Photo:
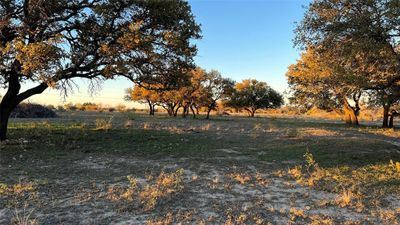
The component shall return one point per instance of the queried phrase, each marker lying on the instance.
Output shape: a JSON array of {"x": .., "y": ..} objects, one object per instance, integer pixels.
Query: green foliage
[
  {"x": 51, "y": 42},
  {"x": 313, "y": 83},
  {"x": 252, "y": 95},
  {"x": 204, "y": 89},
  {"x": 359, "y": 43},
  {"x": 215, "y": 88}
]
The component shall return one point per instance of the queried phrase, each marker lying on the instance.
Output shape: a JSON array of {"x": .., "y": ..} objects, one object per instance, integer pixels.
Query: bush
[
  {"x": 120, "y": 108},
  {"x": 70, "y": 107},
  {"x": 29, "y": 110},
  {"x": 89, "y": 106},
  {"x": 102, "y": 124}
]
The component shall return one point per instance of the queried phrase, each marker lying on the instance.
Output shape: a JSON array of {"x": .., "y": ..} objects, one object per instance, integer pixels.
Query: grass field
[{"x": 123, "y": 168}]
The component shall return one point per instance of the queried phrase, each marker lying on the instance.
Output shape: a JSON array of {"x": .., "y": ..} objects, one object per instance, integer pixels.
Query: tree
[
  {"x": 143, "y": 95},
  {"x": 191, "y": 94},
  {"x": 360, "y": 36},
  {"x": 388, "y": 98},
  {"x": 51, "y": 42},
  {"x": 252, "y": 95},
  {"x": 204, "y": 89},
  {"x": 213, "y": 89},
  {"x": 185, "y": 96},
  {"x": 316, "y": 82},
  {"x": 155, "y": 96}
]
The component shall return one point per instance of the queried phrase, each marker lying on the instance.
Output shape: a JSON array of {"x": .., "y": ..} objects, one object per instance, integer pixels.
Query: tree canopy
[
  {"x": 252, "y": 95},
  {"x": 316, "y": 82},
  {"x": 204, "y": 89},
  {"x": 215, "y": 88},
  {"x": 50, "y": 42},
  {"x": 361, "y": 40}
]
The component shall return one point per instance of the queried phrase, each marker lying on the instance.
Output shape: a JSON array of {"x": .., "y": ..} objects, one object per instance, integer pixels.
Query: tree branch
[{"x": 33, "y": 91}]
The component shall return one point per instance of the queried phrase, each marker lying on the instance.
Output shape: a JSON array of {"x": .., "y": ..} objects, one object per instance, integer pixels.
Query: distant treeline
[{"x": 90, "y": 106}]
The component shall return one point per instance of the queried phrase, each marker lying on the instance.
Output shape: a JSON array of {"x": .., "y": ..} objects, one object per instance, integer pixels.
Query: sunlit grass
[
  {"x": 227, "y": 157},
  {"x": 148, "y": 194},
  {"x": 355, "y": 186}
]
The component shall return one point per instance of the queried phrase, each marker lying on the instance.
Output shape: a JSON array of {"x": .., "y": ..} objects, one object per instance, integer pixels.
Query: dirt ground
[{"x": 228, "y": 170}]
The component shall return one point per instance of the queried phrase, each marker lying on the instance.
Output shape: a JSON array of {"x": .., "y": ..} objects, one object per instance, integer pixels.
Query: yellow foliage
[
  {"x": 37, "y": 56},
  {"x": 345, "y": 198},
  {"x": 296, "y": 172},
  {"x": 318, "y": 220},
  {"x": 165, "y": 184},
  {"x": 241, "y": 178},
  {"x": 16, "y": 189}
]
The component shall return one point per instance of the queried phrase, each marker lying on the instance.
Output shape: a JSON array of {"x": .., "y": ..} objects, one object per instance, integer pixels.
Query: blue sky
[
  {"x": 241, "y": 39},
  {"x": 248, "y": 39}
]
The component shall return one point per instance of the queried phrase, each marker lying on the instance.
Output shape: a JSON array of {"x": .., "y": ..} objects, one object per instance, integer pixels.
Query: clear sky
[{"x": 241, "y": 39}]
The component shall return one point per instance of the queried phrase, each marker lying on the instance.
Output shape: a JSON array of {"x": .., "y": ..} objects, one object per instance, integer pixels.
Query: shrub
[
  {"x": 103, "y": 124},
  {"x": 120, "y": 108},
  {"x": 89, "y": 106},
  {"x": 70, "y": 107},
  {"x": 60, "y": 108},
  {"x": 29, "y": 110}
]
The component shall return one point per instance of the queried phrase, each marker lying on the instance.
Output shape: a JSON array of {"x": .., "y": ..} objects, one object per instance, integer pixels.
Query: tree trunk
[
  {"x": 391, "y": 118},
  {"x": 150, "y": 108},
  {"x": 350, "y": 114},
  {"x": 386, "y": 108},
  {"x": 10, "y": 101},
  {"x": 170, "y": 112},
  {"x": 12, "y": 98},
  {"x": 208, "y": 113},
  {"x": 4, "y": 116},
  {"x": 176, "y": 111},
  {"x": 393, "y": 114},
  {"x": 193, "y": 112},
  {"x": 185, "y": 109},
  {"x": 252, "y": 113}
]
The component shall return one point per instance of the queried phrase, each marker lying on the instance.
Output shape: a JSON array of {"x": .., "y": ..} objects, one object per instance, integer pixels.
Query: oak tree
[
  {"x": 213, "y": 89},
  {"x": 315, "y": 81},
  {"x": 149, "y": 96},
  {"x": 252, "y": 95},
  {"x": 360, "y": 36},
  {"x": 50, "y": 42}
]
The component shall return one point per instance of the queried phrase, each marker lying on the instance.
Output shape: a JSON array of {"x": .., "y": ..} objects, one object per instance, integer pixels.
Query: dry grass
[
  {"x": 241, "y": 178},
  {"x": 296, "y": 213},
  {"x": 17, "y": 189},
  {"x": 319, "y": 220},
  {"x": 348, "y": 181},
  {"x": 149, "y": 194},
  {"x": 293, "y": 133},
  {"x": 20, "y": 196},
  {"x": 388, "y": 217},
  {"x": 103, "y": 124},
  {"x": 386, "y": 132},
  {"x": 355, "y": 188},
  {"x": 345, "y": 198},
  {"x": 317, "y": 132},
  {"x": 164, "y": 185},
  {"x": 24, "y": 217}
]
